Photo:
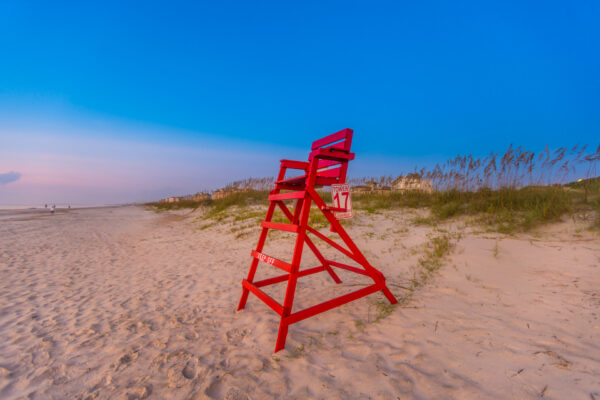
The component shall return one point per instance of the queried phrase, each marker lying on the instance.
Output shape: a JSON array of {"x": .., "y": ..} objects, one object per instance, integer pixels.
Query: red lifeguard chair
[{"x": 327, "y": 165}]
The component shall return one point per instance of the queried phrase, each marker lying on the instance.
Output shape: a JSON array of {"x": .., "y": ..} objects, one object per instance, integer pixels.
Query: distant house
[
  {"x": 220, "y": 194},
  {"x": 412, "y": 182},
  {"x": 228, "y": 191},
  {"x": 361, "y": 189},
  {"x": 189, "y": 197},
  {"x": 201, "y": 196}
]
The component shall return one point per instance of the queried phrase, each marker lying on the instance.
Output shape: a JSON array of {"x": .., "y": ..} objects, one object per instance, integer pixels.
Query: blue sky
[{"x": 111, "y": 102}]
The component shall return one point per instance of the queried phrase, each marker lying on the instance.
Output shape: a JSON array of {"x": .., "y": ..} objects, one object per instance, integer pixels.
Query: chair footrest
[
  {"x": 281, "y": 227},
  {"x": 268, "y": 300},
  {"x": 335, "y": 209},
  {"x": 328, "y": 305}
]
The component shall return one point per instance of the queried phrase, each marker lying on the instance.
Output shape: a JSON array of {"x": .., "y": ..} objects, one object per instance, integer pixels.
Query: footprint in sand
[
  {"x": 191, "y": 335},
  {"x": 235, "y": 394},
  {"x": 139, "y": 393},
  {"x": 125, "y": 360},
  {"x": 236, "y": 335},
  {"x": 182, "y": 369},
  {"x": 189, "y": 371}
]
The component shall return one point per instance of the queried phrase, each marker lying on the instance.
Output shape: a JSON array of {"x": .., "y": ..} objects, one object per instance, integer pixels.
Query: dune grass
[
  {"x": 240, "y": 199},
  {"x": 184, "y": 204},
  {"x": 504, "y": 210}
]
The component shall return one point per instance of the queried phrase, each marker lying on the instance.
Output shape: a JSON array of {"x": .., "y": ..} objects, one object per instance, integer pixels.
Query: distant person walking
[{"x": 53, "y": 208}]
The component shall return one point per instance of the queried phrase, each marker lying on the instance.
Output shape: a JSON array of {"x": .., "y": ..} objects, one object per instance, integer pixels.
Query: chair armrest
[
  {"x": 294, "y": 164},
  {"x": 332, "y": 154}
]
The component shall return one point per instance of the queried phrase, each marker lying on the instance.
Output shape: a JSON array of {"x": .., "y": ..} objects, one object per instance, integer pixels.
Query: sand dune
[{"x": 124, "y": 303}]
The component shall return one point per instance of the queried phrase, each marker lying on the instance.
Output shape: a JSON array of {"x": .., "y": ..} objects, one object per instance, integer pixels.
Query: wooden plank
[
  {"x": 297, "y": 180},
  {"x": 282, "y": 278},
  {"x": 312, "y": 246},
  {"x": 328, "y": 305},
  {"x": 327, "y": 163},
  {"x": 332, "y": 154},
  {"x": 281, "y": 227},
  {"x": 268, "y": 300},
  {"x": 330, "y": 173},
  {"x": 334, "y": 137},
  {"x": 273, "y": 261},
  {"x": 283, "y": 186},
  {"x": 287, "y": 196},
  {"x": 348, "y": 267},
  {"x": 294, "y": 164},
  {"x": 323, "y": 181},
  {"x": 331, "y": 242},
  {"x": 335, "y": 209}
]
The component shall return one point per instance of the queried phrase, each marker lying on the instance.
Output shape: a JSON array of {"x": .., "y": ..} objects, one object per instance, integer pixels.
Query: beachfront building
[
  {"x": 190, "y": 197},
  {"x": 201, "y": 196},
  {"x": 228, "y": 191},
  {"x": 361, "y": 189},
  {"x": 220, "y": 194},
  {"x": 371, "y": 187},
  {"x": 412, "y": 182}
]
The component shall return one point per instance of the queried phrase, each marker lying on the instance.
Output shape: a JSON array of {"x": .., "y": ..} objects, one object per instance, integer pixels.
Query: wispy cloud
[{"x": 9, "y": 177}]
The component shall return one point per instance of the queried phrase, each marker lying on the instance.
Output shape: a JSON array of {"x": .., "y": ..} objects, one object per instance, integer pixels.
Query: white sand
[{"x": 123, "y": 303}]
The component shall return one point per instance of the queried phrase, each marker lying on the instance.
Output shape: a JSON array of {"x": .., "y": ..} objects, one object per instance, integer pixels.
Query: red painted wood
[
  {"x": 295, "y": 164},
  {"x": 328, "y": 305},
  {"x": 273, "y": 261},
  {"x": 330, "y": 173},
  {"x": 335, "y": 209},
  {"x": 327, "y": 163},
  {"x": 326, "y": 152},
  {"x": 268, "y": 300},
  {"x": 348, "y": 267},
  {"x": 332, "y": 154},
  {"x": 281, "y": 278},
  {"x": 278, "y": 226},
  {"x": 259, "y": 247},
  {"x": 286, "y": 196},
  {"x": 331, "y": 243},
  {"x": 311, "y": 245},
  {"x": 283, "y": 186},
  {"x": 298, "y": 180},
  {"x": 322, "y": 181},
  {"x": 344, "y": 134}
]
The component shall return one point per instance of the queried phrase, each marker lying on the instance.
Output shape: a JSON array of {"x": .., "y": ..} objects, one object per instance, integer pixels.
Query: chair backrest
[
  {"x": 340, "y": 140},
  {"x": 332, "y": 171}
]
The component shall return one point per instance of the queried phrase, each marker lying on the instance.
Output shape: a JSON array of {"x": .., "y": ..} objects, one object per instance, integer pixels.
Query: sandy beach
[{"x": 127, "y": 303}]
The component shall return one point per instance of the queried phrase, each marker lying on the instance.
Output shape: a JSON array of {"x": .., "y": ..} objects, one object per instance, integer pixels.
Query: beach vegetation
[{"x": 509, "y": 193}]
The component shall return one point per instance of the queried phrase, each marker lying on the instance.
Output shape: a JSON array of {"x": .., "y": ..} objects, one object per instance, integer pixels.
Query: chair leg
[
  {"x": 254, "y": 264},
  {"x": 389, "y": 295},
  {"x": 281, "y": 335},
  {"x": 288, "y": 302}
]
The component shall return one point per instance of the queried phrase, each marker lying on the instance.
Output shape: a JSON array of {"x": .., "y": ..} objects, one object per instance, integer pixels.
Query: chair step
[
  {"x": 335, "y": 209},
  {"x": 287, "y": 196},
  {"x": 273, "y": 261},
  {"x": 268, "y": 300},
  {"x": 281, "y": 227}
]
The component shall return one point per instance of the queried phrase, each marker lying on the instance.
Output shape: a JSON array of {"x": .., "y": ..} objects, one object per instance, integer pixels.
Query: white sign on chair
[{"x": 340, "y": 195}]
